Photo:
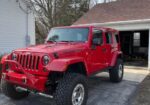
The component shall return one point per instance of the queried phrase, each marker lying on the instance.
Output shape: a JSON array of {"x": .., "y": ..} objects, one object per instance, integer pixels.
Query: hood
[{"x": 50, "y": 48}]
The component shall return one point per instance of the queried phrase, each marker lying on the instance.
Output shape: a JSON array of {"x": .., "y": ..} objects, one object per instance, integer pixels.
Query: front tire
[
  {"x": 72, "y": 90},
  {"x": 10, "y": 91},
  {"x": 117, "y": 72}
]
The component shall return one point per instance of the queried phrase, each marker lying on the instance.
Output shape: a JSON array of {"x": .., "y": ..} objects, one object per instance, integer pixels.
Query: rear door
[
  {"x": 111, "y": 45},
  {"x": 108, "y": 46},
  {"x": 116, "y": 41}
]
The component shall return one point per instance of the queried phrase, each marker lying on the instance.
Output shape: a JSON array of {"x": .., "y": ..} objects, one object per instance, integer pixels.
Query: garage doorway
[{"x": 134, "y": 45}]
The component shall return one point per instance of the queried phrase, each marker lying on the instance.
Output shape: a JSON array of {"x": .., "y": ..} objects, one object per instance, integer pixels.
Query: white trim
[
  {"x": 149, "y": 52},
  {"x": 117, "y": 22}
]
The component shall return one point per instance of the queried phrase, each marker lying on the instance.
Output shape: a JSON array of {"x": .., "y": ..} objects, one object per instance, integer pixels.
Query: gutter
[{"x": 117, "y": 22}]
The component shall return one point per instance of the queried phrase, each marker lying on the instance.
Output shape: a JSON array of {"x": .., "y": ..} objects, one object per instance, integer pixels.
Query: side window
[
  {"x": 116, "y": 38},
  {"x": 136, "y": 39},
  {"x": 97, "y": 34},
  {"x": 108, "y": 37}
]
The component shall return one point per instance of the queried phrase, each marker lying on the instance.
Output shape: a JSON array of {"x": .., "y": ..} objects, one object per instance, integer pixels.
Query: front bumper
[{"x": 23, "y": 79}]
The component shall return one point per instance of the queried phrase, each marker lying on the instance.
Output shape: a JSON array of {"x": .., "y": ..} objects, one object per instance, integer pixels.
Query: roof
[{"x": 121, "y": 10}]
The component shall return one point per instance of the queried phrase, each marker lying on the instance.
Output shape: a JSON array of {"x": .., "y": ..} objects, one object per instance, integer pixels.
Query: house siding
[{"x": 13, "y": 26}]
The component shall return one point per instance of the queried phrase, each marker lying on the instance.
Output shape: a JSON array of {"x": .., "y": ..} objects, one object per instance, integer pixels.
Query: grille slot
[
  {"x": 29, "y": 62},
  {"x": 38, "y": 59}
]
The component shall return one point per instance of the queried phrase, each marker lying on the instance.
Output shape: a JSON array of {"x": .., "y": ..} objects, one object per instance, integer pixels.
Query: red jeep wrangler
[{"x": 58, "y": 68}]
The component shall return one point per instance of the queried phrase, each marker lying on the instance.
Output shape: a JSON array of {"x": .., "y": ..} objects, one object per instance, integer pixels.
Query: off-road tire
[
  {"x": 65, "y": 87},
  {"x": 10, "y": 91},
  {"x": 114, "y": 72}
]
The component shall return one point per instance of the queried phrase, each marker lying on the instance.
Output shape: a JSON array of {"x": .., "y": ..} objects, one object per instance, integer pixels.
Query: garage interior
[{"x": 134, "y": 45}]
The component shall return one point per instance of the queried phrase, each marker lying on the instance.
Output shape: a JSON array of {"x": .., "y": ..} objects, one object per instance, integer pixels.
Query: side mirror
[{"x": 97, "y": 41}]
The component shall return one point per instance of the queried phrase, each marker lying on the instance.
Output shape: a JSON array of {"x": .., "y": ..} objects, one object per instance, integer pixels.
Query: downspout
[
  {"x": 27, "y": 28},
  {"x": 26, "y": 11}
]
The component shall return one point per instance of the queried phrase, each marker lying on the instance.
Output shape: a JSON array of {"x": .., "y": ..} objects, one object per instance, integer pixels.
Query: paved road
[{"x": 101, "y": 92}]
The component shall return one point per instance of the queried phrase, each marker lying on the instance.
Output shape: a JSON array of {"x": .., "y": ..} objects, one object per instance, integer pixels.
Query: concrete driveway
[{"x": 101, "y": 90}]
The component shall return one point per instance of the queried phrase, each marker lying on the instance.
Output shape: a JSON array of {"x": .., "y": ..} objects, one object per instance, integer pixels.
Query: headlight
[
  {"x": 14, "y": 56},
  {"x": 46, "y": 60}
]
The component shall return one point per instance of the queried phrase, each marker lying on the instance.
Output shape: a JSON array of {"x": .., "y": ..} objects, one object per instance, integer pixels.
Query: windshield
[{"x": 68, "y": 35}]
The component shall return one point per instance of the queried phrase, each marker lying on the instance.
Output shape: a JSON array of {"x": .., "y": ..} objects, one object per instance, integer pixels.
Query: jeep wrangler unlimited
[{"x": 58, "y": 68}]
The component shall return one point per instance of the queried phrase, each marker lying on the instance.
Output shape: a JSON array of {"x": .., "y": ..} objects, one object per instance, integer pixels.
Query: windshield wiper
[
  {"x": 53, "y": 41},
  {"x": 66, "y": 41}
]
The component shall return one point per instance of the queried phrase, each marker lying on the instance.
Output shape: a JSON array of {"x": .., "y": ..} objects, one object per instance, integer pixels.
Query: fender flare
[
  {"x": 61, "y": 65},
  {"x": 115, "y": 57},
  {"x": 5, "y": 57}
]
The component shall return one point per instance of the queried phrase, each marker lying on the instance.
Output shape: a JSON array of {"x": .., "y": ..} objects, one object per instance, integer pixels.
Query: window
[
  {"x": 68, "y": 34},
  {"x": 116, "y": 38},
  {"x": 97, "y": 34},
  {"x": 108, "y": 38},
  {"x": 136, "y": 39}
]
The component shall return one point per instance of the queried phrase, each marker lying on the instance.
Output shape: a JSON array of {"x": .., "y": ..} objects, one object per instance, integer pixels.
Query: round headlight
[
  {"x": 46, "y": 60},
  {"x": 14, "y": 56}
]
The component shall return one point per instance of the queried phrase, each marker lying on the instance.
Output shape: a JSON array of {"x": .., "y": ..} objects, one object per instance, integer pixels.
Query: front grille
[{"x": 29, "y": 62}]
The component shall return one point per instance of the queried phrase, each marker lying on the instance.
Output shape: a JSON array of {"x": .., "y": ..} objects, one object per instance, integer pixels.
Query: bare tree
[{"x": 50, "y": 13}]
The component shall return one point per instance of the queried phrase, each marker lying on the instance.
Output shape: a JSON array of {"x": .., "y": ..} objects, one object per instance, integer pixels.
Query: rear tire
[
  {"x": 67, "y": 90},
  {"x": 10, "y": 91},
  {"x": 117, "y": 72}
]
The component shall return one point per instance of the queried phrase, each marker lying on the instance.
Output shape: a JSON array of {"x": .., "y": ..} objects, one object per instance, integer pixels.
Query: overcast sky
[
  {"x": 93, "y": 2},
  {"x": 99, "y": 1},
  {"x": 103, "y": 1}
]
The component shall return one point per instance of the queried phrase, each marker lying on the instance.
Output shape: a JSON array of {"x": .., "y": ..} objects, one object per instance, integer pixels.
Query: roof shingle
[{"x": 121, "y": 10}]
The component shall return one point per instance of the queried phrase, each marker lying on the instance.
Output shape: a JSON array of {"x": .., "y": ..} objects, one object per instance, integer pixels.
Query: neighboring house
[
  {"x": 17, "y": 25},
  {"x": 131, "y": 18}
]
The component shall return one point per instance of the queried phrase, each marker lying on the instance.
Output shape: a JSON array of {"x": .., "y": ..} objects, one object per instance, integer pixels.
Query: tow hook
[{"x": 24, "y": 80}]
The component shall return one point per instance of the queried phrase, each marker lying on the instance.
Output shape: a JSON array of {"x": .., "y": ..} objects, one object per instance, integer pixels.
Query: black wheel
[
  {"x": 10, "y": 91},
  {"x": 117, "y": 72},
  {"x": 72, "y": 90}
]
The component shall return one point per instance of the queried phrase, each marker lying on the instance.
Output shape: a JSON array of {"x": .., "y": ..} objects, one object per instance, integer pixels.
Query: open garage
[{"x": 134, "y": 45}]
